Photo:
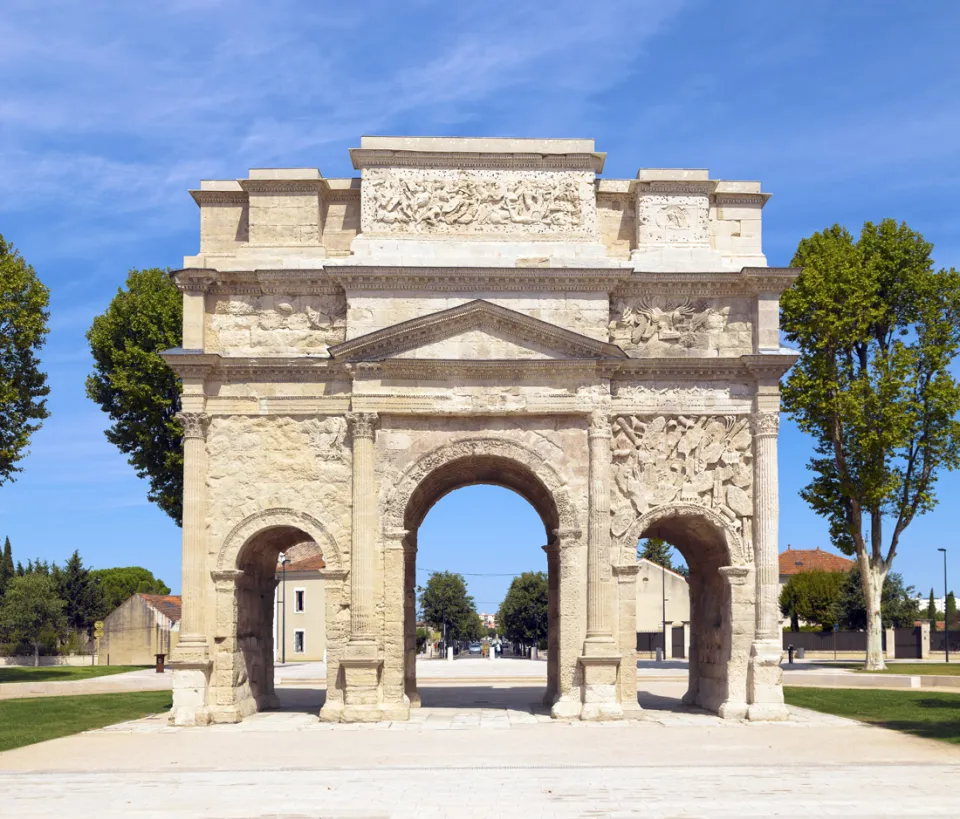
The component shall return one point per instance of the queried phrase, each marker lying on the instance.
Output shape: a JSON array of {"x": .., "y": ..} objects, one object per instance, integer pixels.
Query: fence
[
  {"x": 649, "y": 641},
  {"x": 938, "y": 640},
  {"x": 826, "y": 640}
]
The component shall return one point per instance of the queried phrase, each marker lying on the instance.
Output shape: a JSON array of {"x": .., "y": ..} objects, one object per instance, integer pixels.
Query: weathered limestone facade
[{"x": 478, "y": 311}]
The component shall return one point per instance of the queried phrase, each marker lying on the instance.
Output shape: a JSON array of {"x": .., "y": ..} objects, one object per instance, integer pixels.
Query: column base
[
  {"x": 568, "y": 706},
  {"x": 600, "y": 686},
  {"x": 190, "y": 683},
  {"x": 733, "y": 710},
  {"x": 765, "y": 682}
]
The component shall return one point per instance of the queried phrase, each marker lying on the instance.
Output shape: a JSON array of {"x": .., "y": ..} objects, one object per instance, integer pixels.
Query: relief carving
[
  {"x": 704, "y": 460},
  {"x": 475, "y": 203},
  {"x": 330, "y": 439},
  {"x": 673, "y": 219},
  {"x": 659, "y": 325}
]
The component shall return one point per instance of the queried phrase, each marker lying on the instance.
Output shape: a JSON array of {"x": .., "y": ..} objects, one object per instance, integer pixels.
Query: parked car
[{"x": 475, "y": 648}]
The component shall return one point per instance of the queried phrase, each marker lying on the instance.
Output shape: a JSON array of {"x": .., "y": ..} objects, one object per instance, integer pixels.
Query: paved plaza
[{"x": 487, "y": 749}]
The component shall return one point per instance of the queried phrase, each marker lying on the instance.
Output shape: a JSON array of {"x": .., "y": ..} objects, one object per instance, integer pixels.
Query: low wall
[{"x": 69, "y": 659}]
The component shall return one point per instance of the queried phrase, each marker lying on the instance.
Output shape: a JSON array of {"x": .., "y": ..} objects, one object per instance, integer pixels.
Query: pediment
[{"x": 475, "y": 331}]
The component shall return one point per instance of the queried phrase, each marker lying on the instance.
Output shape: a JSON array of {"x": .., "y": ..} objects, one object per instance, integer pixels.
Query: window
[
  {"x": 298, "y": 641},
  {"x": 298, "y": 595}
]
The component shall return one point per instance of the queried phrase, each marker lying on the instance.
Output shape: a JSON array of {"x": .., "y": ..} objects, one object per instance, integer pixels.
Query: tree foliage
[
  {"x": 523, "y": 612},
  {"x": 813, "y": 597},
  {"x": 121, "y": 583},
  {"x": 81, "y": 593},
  {"x": 7, "y": 569},
  {"x": 135, "y": 387},
  {"x": 877, "y": 328},
  {"x": 444, "y": 601},
  {"x": 660, "y": 552},
  {"x": 23, "y": 329},
  {"x": 950, "y": 608},
  {"x": 931, "y": 613},
  {"x": 32, "y": 613}
]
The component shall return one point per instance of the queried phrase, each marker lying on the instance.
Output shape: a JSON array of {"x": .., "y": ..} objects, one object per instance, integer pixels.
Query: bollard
[
  {"x": 790, "y": 654},
  {"x": 450, "y": 653},
  {"x": 659, "y": 654},
  {"x": 160, "y": 659},
  {"x": 801, "y": 653}
]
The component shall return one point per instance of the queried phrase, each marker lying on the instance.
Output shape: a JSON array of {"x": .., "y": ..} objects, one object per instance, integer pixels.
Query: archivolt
[
  {"x": 487, "y": 460},
  {"x": 268, "y": 519},
  {"x": 694, "y": 523}
]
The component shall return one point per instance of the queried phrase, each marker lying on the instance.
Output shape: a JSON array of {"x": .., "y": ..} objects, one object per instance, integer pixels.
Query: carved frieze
[
  {"x": 656, "y": 325},
  {"x": 329, "y": 439},
  {"x": 705, "y": 460},
  {"x": 673, "y": 218},
  {"x": 477, "y": 202},
  {"x": 247, "y": 325}
]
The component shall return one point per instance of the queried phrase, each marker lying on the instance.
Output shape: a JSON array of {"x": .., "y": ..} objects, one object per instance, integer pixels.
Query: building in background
[
  {"x": 795, "y": 561},
  {"x": 488, "y": 620},
  {"x": 300, "y": 606},
  {"x": 654, "y": 583},
  {"x": 139, "y": 629}
]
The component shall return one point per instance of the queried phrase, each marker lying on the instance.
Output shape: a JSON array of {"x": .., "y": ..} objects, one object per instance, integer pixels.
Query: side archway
[
  {"x": 245, "y": 582},
  {"x": 722, "y": 599}
]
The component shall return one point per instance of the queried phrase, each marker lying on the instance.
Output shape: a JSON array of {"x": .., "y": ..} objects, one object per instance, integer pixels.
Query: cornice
[
  {"x": 408, "y": 335},
  {"x": 430, "y": 160},
  {"x": 190, "y": 363},
  {"x": 748, "y": 282},
  {"x": 292, "y": 186},
  {"x": 299, "y": 281},
  {"x": 511, "y": 279},
  {"x": 194, "y": 279},
  {"x": 517, "y": 369},
  {"x": 234, "y": 198}
]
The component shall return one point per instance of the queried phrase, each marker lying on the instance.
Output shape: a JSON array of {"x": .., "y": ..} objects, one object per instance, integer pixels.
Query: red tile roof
[
  {"x": 794, "y": 561},
  {"x": 307, "y": 564},
  {"x": 167, "y": 604}
]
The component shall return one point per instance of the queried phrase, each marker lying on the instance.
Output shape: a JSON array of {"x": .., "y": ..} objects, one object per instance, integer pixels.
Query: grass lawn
[
  {"x": 921, "y": 713},
  {"x": 942, "y": 669},
  {"x": 56, "y": 673},
  {"x": 36, "y": 719}
]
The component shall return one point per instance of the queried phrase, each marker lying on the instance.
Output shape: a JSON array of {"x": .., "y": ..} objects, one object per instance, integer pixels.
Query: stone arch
[
  {"x": 490, "y": 454},
  {"x": 691, "y": 520},
  {"x": 482, "y": 460},
  {"x": 285, "y": 521},
  {"x": 722, "y": 599}
]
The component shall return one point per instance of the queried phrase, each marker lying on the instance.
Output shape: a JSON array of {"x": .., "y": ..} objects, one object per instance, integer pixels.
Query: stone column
[
  {"x": 395, "y": 705},
  {"x": 601, "y": 658},
  {"x": 740, "y": 613},
  {"x": 571, "y": 584},
  {"x": 334, "y": 593},
  {"x": 765, "y": 689},
  {"x": 191, "y": 658},
  {"x": 361, "y": 661}
]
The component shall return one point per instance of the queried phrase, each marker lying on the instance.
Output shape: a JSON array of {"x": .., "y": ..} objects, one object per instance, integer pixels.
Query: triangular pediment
[{"x": 475, "y": 331}]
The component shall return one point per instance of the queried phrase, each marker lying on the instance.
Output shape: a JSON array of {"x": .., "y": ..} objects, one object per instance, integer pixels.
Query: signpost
[{"x": 97, "y": 634}]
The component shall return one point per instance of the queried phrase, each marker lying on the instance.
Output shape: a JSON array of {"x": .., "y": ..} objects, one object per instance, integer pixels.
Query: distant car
[{"x": 475, "y": 648}]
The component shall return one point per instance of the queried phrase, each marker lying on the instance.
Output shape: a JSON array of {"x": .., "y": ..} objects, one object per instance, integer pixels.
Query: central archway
[{"x": 469, "y": 462}]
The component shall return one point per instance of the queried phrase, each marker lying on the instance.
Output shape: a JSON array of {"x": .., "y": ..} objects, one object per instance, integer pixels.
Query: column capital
[
  {"x": 362, "y": 424},
  {"x": 765, "y": 424},
  {"x": 599, "y": 425},
  {"x": 195, "y": 424}
]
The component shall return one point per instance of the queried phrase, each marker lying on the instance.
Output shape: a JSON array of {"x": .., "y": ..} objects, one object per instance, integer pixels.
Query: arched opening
[
  {"x": 535, "y": 550},
  {"x": 716, "y": 620},
  {"x": 280, "y": 616}
]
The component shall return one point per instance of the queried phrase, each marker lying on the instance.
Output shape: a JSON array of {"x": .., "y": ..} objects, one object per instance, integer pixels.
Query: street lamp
[
  {"x": 663, "y": 594},
  {"x": 946, "y": 614},
  {"x": 283, "y": 611}
]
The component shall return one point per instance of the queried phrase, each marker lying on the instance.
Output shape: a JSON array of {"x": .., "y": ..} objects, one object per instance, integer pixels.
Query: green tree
[
  {"x": 7, "y": 570},
  {"x": 120, "y": 584},
  {"x": 135, "y": 387},
  {"x": 932, "y": 614},
  {"x": 523, "y": 612},
  {"x": 23, "y": 329},
  {"x": 81, "y": 593},
  {"x": 656, "y": 551},
  {"x": 877, "y": 328},
  {"x": 950, "y": 609},
  {"x": 813, "y": 597},
  {"x": 32, "y": 612},
  {"x": 445, "y": 602},
  {"x": 898, "y": 603}
]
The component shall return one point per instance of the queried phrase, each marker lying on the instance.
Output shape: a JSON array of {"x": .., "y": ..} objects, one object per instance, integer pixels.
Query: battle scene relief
[
  {"x": 650, "y": 326},
  {"x": 705, "y": 460}
]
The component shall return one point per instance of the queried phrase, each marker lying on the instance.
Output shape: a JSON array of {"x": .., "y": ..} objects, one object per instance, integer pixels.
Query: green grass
[
  {"x": 921, "y": 713},
  {"x": 941, "y": 669},
  {"x": 56, "y": 673},
  {"x": 37, "y": 719}
]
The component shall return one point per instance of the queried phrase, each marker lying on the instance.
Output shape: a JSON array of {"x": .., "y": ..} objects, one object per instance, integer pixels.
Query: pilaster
[
  {"x": 627, "y": 633},
  {"x": 765, "y": 680}
]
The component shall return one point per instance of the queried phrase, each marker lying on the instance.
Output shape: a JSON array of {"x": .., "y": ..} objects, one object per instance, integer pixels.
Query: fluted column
[
  {"x": 765, "y": 678},
  {"x": 598, "y": 532},
  {"x": 766, "y": 521},
  {"x": 194, "y": 568},
  {"x": 362, "y": 553}
]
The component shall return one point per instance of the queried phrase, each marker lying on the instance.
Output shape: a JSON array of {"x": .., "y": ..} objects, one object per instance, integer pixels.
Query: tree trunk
[
  {"x": 872, "y": 591},
  {"x": 36, "y": 655}
]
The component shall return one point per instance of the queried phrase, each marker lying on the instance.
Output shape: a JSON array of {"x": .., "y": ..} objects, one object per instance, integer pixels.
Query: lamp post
[
  {"x": 946, "y": 616},
  {"x": 283, "y": 611},
  {"x": 663, "y": 594}
]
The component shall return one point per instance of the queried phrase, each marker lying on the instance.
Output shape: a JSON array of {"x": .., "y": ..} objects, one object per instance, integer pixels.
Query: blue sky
[{"x": 109, "y": 111}]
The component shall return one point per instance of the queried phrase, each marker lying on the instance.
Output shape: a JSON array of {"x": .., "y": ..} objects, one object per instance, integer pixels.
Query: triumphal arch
[{"x": 478, "y": 311}]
